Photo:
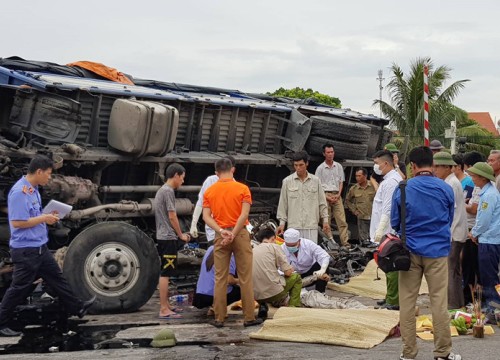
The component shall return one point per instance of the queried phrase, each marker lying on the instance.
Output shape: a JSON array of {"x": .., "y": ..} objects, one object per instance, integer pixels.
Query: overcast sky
[{"x": 335, "y": 47}]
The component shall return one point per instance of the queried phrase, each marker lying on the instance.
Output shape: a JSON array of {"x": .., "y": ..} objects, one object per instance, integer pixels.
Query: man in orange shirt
[{"x": 226, "y": 205}]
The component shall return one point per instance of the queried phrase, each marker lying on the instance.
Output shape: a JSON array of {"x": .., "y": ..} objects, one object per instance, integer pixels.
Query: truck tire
[
  {"x": 343, "y": 150},
  {"x": 116, "y": 262},
  {"x": 340, "y": 129}
]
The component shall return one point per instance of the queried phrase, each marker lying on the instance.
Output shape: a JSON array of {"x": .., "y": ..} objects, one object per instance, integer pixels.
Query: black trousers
[
  {"x": 320, "y": 284},
  {"x": 31, "y": 264},
  {"x": 201, "y": 301},
  {"x": 470, "y": 268}
]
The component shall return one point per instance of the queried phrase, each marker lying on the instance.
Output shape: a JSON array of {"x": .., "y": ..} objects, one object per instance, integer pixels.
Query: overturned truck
[{"x": 111, "y": 143}]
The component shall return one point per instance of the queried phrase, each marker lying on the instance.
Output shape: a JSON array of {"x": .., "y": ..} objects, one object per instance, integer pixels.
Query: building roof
[{"x": 484, "y": 120}]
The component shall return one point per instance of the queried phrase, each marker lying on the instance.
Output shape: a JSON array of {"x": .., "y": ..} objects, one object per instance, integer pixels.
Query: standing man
[
  {"x": 399, "y": 166},
  {"x": 486, "y": 232},
  {"x": 359, "y": 201},
  {"x": 209, "y": 181},
  {"x": 226, "y": 206},
  {"x": 436, "y": 146},
  {"x": 168, "y": 231},
  {"x": 494, "y": 162},
  {"x": 28, "y": 246},
  {"x": 470, "y": 265},
  {"x": 443, "y": 169},
  {"x": 380, "y": 222},
  {"x": 331, "y": 175},
  {"x": 429, "y": 215},
  {"x": 302, "y": 201}
]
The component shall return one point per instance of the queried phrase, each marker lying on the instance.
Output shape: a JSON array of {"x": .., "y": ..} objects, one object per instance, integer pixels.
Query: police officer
[{"x": 28, "y": 245}]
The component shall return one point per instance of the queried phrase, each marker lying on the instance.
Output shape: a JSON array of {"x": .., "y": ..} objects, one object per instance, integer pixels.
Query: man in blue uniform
[{"x": 28, "y": 245}]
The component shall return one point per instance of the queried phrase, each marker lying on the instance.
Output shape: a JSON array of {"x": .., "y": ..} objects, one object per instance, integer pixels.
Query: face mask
[
  {"x": 292, "y": 249},
  {"x": 376, "y": 169}
]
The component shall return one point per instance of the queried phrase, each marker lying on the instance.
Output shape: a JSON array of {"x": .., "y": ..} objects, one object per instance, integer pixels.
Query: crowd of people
[{"x": 452, "y": 232}]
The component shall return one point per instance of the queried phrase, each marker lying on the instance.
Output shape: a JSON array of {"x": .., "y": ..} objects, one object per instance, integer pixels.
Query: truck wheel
[
  {"x": 340, "y": 129},
  {"x": 343, "y": 150},
  {"x": 115, "y": 261}
]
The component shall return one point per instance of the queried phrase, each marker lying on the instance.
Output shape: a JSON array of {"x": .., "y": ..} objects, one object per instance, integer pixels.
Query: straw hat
[
  {"x": 482, "y": 169},
  {"x": 443, "y": 158}
]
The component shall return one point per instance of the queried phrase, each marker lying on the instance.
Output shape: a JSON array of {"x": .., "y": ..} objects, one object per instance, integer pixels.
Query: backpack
[{"x": 392, "y": 254}]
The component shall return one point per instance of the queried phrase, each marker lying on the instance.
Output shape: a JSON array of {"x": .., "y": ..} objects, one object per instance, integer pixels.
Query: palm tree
[
  {"x": 477, "y": 138},
  {"x": 406, "y": 108}
]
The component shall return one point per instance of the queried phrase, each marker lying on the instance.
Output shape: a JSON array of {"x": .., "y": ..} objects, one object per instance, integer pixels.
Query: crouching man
[
  {"x": 268, "y": 285},
  {"x": 307, "y": 258}
]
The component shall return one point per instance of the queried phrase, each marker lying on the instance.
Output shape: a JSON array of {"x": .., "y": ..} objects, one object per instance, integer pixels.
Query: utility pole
[
  {"x": 451, "y": 133},
  {"x": 380, "y": 88}
]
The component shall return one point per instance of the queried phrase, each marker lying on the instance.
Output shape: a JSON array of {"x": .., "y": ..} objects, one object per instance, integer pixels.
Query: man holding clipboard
[{"x": 28, "y": 246}]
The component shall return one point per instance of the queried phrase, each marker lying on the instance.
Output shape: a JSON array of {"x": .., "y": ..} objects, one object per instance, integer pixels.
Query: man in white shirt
[
  {"x": 443, "y": 169},
  {"x": 380, "y": 220},
  {"x": 332, "y": 179},
  {"x": 307, "y": 258},
  {"x": 209, "y": 181}
]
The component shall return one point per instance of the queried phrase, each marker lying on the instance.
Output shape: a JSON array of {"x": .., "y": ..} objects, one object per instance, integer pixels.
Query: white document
[{"x": 60, "y": 208}]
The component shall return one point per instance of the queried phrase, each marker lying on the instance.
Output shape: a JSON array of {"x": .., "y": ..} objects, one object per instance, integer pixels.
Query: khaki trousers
[
  {"x": 243, "y": 255},
  {"x": 435, "y": 271},
  {"x": 337, "y": 211}
]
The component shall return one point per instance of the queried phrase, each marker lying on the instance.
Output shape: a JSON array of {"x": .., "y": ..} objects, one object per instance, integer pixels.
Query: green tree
[
  {"x": 477, "y": 137},
  {"x": 406, "y": 107},
  {"x": 300, "y": 93}
]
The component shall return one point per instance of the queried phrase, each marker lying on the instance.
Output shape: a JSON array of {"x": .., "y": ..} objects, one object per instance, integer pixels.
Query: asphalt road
[{"x": 232, "y": 342}]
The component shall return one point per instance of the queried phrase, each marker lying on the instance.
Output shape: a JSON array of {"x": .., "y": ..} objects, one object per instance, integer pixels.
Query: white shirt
[
  {"x": 383, "y": 201},
  {"x": 209, "y": 181},
  {"x": 309, "y": 253},
  {"x": 459, "y": 224},
  {"x": 331, "y": 176},
  {"x": 474, "y": 199}
]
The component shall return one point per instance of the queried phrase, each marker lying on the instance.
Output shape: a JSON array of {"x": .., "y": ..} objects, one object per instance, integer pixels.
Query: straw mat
[
  {"x": 358, "y": 328},
  {"x": 366, "y": 285}
]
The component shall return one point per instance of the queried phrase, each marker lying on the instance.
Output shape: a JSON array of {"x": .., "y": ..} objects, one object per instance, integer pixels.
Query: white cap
[{"x": 291, "y": 236}]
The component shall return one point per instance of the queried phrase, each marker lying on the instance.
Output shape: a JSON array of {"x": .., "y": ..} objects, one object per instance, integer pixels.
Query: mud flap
[{"x": 297, "y": 131}]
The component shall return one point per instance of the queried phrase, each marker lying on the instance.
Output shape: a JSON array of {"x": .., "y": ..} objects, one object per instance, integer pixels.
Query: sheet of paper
[{"x": 58, "y": 207}]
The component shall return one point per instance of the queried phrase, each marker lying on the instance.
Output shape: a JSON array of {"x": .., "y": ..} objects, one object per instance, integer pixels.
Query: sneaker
[
  {"x": 217, "y": 324},
  {"x": 263, "y": 310},
  {"x": 450, "y": 356},
  {"x": 403, "y": 358},
  {"x": 252, "y": 322},
  {"x": 85, "y": 307},
  {"x": 8, "y": 332},
  {"x": 381, "y": 302}
]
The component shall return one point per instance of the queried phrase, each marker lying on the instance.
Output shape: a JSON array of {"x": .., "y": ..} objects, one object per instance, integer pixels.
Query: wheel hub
[{"x": 111, "y": 269}]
